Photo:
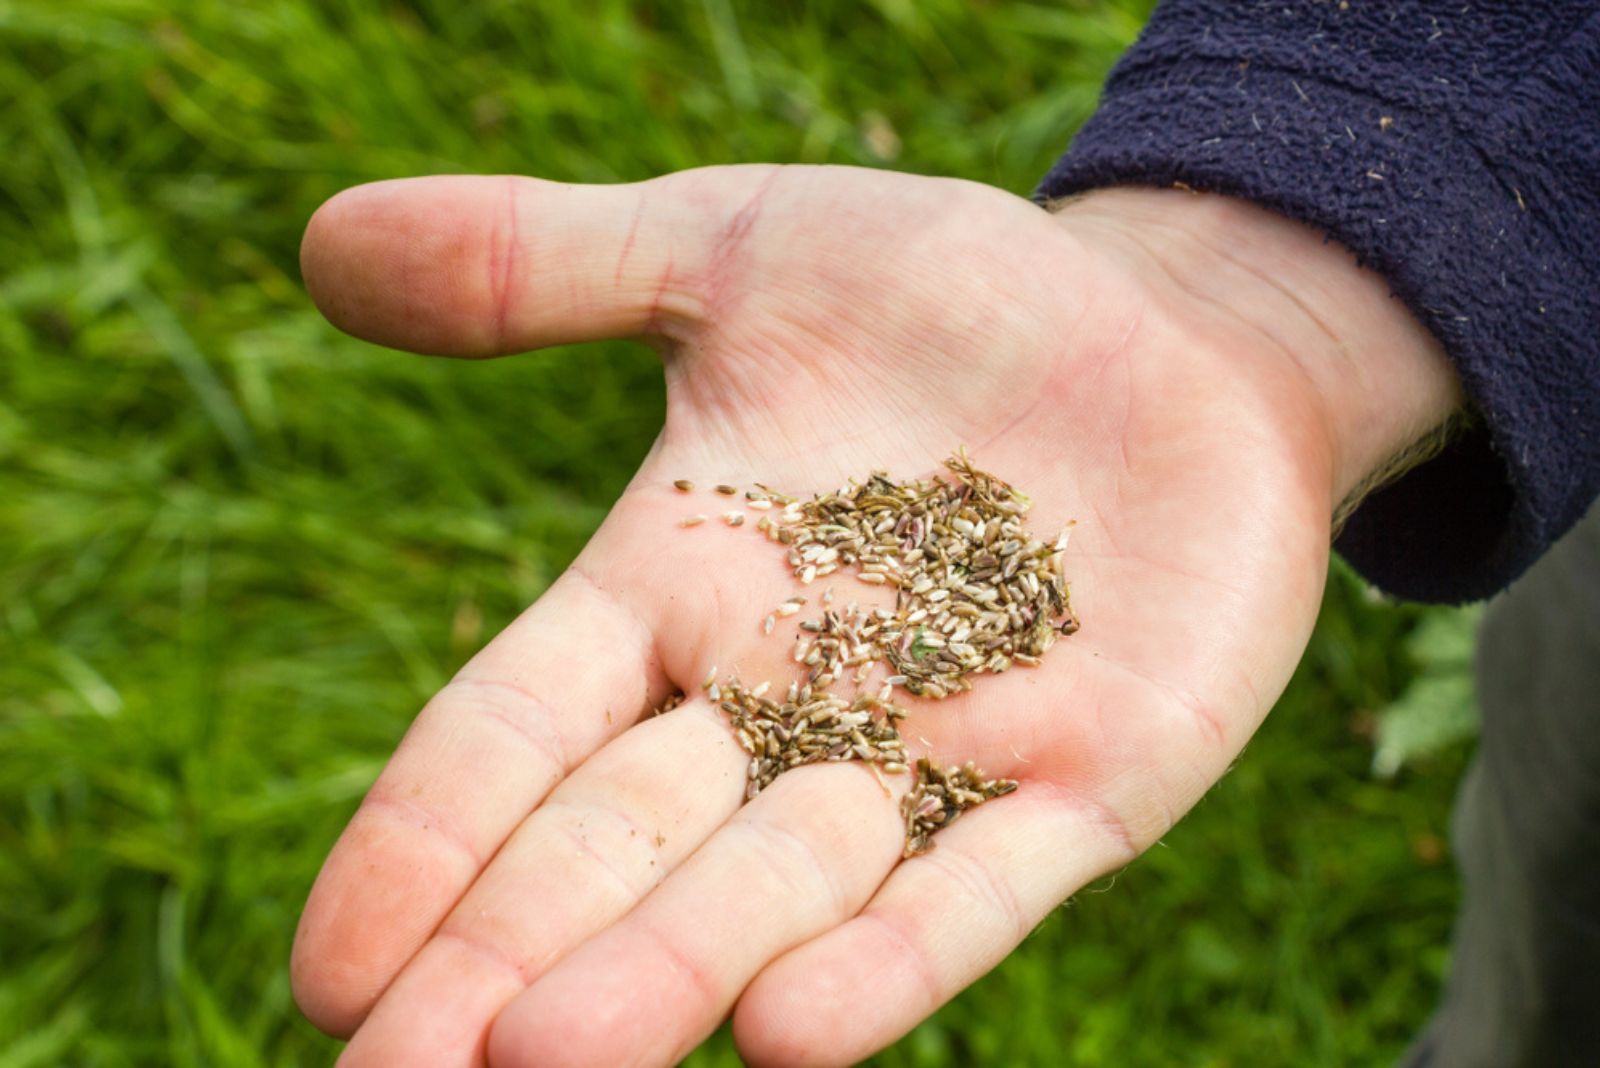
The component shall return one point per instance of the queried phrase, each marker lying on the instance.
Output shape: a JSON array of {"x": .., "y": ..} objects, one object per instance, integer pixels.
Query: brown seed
[
  {"x": 683, "y": 485},
  {"x": 975, "y": 593},
  {"x": 727, "y": 491}
]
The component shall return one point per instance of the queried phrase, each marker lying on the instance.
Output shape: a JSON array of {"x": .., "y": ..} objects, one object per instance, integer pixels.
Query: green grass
[{"x": 238, "y": 550}]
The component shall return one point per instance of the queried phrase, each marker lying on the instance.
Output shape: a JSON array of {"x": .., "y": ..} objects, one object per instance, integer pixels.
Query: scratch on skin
[
  {"x": 503, "y": 247},
  {"x": 627, "y": 243},
  {"x": 733, "y": 235}
]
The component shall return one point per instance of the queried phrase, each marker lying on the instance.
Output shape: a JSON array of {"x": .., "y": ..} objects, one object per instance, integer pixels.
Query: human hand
[{"x": 541, "y": 876}]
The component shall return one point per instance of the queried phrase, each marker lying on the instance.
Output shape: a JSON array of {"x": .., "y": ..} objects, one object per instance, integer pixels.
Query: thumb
[{"x": 483, "y": 266}]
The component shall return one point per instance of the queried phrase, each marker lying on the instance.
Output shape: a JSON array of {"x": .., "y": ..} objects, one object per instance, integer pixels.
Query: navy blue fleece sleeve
[{"x": 1455, "y": 148}]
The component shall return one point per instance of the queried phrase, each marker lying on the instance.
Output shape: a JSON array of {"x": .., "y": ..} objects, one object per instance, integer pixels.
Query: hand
[{"x": 541, "y": 876}]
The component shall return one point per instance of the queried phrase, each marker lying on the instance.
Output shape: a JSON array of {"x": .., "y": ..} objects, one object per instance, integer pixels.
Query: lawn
[{"x": 238, "y": 550}]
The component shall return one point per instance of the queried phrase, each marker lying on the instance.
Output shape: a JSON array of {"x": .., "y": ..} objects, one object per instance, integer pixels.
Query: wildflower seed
[
  {"x": 975, "y": 593},
  {"x": 691, "y": 520},
  {"x": 727, "y": 491},
  {"x": 683, "y": 485},
  {"x": 733, "y": 519}
]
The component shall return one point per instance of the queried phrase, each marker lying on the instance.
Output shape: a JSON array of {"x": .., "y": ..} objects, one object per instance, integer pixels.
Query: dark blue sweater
[{"x": 1479, "y": 202}]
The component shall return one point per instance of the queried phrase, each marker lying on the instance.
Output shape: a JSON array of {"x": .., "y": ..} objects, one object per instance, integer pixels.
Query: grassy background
[{"x": 237, "y": 550}]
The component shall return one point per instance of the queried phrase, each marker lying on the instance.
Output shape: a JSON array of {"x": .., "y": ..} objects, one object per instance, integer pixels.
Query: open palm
[{"x": 544, "y": 874}]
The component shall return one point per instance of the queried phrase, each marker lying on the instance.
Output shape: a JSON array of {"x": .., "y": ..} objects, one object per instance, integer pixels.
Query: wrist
[{"x": 1377, "y": 378}]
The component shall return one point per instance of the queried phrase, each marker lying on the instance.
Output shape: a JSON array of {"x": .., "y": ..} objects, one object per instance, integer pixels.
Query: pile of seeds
[
  {"x": 940, "y": 795},
  {"x": 974, "y": 594},
  {"x": 809, "y": 729}
]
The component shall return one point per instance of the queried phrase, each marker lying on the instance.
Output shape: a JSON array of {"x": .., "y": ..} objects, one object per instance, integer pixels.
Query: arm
[{"x": 1456, "y": 150}]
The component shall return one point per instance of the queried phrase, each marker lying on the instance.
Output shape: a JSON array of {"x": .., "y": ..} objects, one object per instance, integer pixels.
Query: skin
[{"x": 545, "y": 875}]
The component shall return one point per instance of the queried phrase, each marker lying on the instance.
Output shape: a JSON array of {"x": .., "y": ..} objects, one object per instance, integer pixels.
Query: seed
[
  {"x": 727, "y": 491},
  {"x": 768, "y": 623},
  {"x": 760, "y": 504},
  {"x": 684, "y": 485},
  {"x": 691, "y": 520},
  {"x": 733, "y": 519}
]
